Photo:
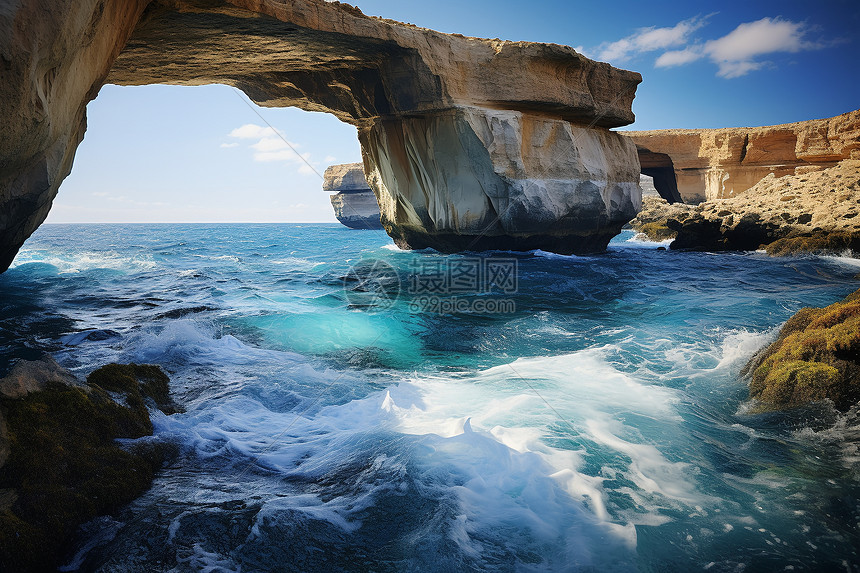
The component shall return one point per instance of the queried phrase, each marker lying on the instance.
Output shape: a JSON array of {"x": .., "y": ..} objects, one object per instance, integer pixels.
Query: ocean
[{"x": 353, "y": 407}]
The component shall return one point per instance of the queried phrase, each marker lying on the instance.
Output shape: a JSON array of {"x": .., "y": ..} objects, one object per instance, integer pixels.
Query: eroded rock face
[
  {"x": 721, "y": 163},
  {"x": 529, "y": 122},
  {"x": 354, "y": 203},
  {"x": 811, "y": 212},
  {"x": 472, "y": 179}
]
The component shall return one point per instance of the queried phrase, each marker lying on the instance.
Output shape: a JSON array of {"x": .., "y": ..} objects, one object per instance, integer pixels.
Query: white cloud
[
  {"x": 228, "y": 145},
  {"x": 651, "y": 39},
  {"x": 678, "y": 57},
  {"x": 282, "y": 155},
  {"x": 253, "y": 131},
  {"x": 730, "y": 70},
  {"x": 765, "y": 36},
  {"x": 736, "y": 54},
  {"x": 329, "y": 159},
  {"x": 272, "y": 146}
]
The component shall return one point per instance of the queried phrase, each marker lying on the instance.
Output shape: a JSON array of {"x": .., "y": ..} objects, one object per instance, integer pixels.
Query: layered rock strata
[
  {"x": 467, "y": 143},
  {"x": 354, "y": 203},
  {"x": 695, "y": 165}
]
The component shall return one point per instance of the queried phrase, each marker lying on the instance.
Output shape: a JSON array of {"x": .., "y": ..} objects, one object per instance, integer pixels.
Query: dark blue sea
[{"x": 353, "y": 407}]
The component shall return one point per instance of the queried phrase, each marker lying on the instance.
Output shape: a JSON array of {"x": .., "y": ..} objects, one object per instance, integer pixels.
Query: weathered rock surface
[
  {"x": 814, "y": 212},
  {"x": 656, "y": 212},
  {"x": 541, "y": 182},
  {"x": 29, "y": 376},
  {"x": 345, "y": 177},
  {"x": 355, "y": 203},
  {"x": 815, "y": 358},
  {"x": 462, "y": 137},
  {"x": 708, "y": 164}
]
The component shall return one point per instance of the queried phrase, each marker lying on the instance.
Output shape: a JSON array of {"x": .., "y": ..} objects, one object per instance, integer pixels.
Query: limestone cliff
[
  {"x": 695, "y": 165},
  {"x": 354, "y": 203},
  {"x": 810, "y": 212},
  {"x": 467, "y": 142}
]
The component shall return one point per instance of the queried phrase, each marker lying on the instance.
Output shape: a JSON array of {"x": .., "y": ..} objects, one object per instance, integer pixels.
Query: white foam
[
  {"x": 198, "y": 559},
  {"x": 741, "y": 345},
  {"x": 76, "y": 262},
  {"x": 847, "y": 259},
  {"x": 295, "y": 263},
  {"x": 549, "y": 255},
  {"x": 192, "y": 342},
  {"x": 642, "y": 240}
]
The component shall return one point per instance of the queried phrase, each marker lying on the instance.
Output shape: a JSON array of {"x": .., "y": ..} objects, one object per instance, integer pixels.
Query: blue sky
[{"x": 182, "y": 154}]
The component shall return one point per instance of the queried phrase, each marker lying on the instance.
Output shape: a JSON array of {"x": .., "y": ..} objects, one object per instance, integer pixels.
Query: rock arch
[
  {"x": 468, "y": 143},
  {"x": 662, "y": 169}
]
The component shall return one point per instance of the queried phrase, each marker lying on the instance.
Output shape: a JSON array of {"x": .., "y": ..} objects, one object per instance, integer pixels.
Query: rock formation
[
  {"x": 695, "y": 165},
  {"x": 656, "y": 212},
  {"x": 60, "y": 462},
  {"x": 467, "y": 143},
  {"x": 813, "y": 212},
  {"x": 815, "y": 358},
  {"x": 354, "y": 203}
]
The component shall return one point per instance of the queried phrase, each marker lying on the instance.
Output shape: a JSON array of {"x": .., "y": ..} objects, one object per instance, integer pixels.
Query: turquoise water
[{"x": 335, "y": 422}]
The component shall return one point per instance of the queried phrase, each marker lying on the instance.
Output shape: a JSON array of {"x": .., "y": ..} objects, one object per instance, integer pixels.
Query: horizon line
[{"x": 192, "y": 223}]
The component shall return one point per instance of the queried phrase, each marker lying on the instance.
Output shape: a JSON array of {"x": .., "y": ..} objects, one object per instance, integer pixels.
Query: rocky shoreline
[
  {"x": 816, "y": 357},
  {"x": 813, "y": 212},
  {"x": 61, "y": 463}
]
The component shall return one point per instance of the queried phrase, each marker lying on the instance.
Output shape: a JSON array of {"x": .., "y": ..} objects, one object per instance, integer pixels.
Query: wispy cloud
[
  {"x": 736, "y": 54},
  {"x": 651, "y": 39},
  {"x": 272, "y": 146}
]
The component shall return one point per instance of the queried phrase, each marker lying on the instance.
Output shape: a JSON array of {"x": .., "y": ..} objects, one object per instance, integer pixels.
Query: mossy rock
[
  {"x": 66, "y": 466},
  {"x": 833, "y": 242},
  {"x": 656, "y": 231},
  {"x": 138, "y": 381},
  {"x": 816, "y": 357}
]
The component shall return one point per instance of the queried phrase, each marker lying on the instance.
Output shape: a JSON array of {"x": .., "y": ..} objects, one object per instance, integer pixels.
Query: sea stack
[{"x": 354, "y": 202}]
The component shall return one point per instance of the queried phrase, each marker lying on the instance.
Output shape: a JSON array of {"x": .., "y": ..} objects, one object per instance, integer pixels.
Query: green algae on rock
[
  {"x": 816, "y": 357},
  {"x": 822, "y": 242},
  {"x": 65, "y": 466}
]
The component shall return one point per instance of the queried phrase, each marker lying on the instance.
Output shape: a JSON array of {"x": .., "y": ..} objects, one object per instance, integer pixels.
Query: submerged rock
[
  {"x": 64, "y": 464},
  {"x": 28, "y": 376},
  {"x": 816, "y": 357}
]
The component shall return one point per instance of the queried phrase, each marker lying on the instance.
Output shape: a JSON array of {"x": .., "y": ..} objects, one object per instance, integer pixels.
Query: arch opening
[
  {"x": 659, "y": 166},
  {"x": 453, "y": 142}
]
